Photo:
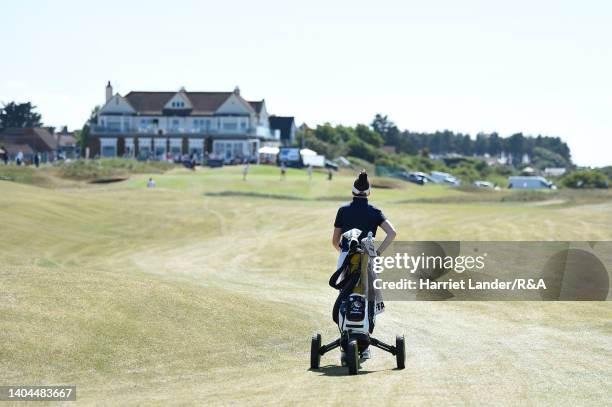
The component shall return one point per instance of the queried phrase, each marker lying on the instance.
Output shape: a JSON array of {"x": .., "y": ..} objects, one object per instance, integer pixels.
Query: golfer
[{"x": 363, "y": 216}]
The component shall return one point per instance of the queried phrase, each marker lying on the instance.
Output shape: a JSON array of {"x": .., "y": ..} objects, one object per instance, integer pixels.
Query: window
[
  {"x": 238, "y": 150},
  {"x": 108, "y": 147},
  {"x": 144, "y": 148},
  {"x": 148, "y": 124},
  {"x": 201, "y": 124},
  {"x": 229, "y": 124},
  {"x": 129, "y": 147},
  {"x": 176, "y": 147},
  {"x": 113, "y": 124},
  {"x": 196, "y": 147},
  {"x": 160, "y": 148},
  {"x": 218, "y": 149}
]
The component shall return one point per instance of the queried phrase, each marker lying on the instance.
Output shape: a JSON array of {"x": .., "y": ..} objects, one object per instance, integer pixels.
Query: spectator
[
  {"x": 4, "y": 155},
  {"x": 283, "y": 169},
  {"x": 330, "y": 175},
  {"x": 245, "y": 170},
  {"x": 36, "y": 159},
  {"x": 151, "y": 183},
  {"x": 19, "y": 157},
  {"x": 309, "y": 172}
]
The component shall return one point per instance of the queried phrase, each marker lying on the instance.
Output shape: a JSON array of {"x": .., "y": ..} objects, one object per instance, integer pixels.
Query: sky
[{"x": 537, "y": 66}]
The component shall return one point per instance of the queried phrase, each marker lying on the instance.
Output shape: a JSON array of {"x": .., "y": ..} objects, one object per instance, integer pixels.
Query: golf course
[{"x": 205, "y": 290}]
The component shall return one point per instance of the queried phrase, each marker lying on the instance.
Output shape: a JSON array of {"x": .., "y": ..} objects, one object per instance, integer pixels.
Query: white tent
[
  {"x": 307, "y": 152},
  {"x": 268, "y": 150}
]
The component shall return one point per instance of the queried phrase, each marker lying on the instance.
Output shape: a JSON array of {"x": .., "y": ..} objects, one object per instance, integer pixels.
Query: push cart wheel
[
  {"x": 400, "y": 352},
  {"x": 315, "y": 356},
  {"x": 352, "y": 357}
]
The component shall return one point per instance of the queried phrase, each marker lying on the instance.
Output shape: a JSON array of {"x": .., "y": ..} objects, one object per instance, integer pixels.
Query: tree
[
  {"x": 360, "y": 149},
  {"x": 19, "y": 115},
  {"x": 310, "y": 140},
  {"x": 585, "y": 179},
  {"x": 516, "y": 146},
  {"x": 542, "y": 158},
  {"x": 405, "y": 145},
  {"x": 368, "y": 135},
  {"x": 327, "y": 133},
  {"x": 381, "y": 124},
  {"x": 83, "y": 135},
  {"x": 482, "y": 143},
  {"x": 495, "y": 144}
]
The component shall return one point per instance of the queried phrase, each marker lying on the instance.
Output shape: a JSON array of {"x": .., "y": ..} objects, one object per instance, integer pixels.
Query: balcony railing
[
  {"x": 258, "y": 131},
  {"x": 112, "y": 129}
]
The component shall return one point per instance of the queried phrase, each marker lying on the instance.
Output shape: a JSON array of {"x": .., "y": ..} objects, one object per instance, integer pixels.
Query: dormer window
[{"x": 178, "y": 104}]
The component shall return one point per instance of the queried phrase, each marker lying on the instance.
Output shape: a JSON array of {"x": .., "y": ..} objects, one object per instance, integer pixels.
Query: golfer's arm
[
  {"x": 390, "y": 231},
  {"x": 336, "y": 238}
]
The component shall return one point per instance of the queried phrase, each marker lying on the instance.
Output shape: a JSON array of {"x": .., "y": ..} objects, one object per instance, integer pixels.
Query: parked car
[
  {"x": 444, "y": 178},
  {"x": 528, "y": 182},
  {"x": 483, "y": 184},
  {"x": 419, "y": 178}
]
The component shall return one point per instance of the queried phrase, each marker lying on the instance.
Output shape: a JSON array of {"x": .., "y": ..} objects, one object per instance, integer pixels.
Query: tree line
[
  {"x": 383, "y": 138},
  {"x": 444, "y": 142}
]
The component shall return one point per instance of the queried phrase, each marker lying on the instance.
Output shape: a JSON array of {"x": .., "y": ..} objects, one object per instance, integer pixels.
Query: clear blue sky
[{"x": 507, "y": 66}]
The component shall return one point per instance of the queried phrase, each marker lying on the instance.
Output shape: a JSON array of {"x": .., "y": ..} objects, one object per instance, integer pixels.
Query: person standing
[
  {"x": 309, "y": 172},
  {"x": 283, "y": 169},
  {"x": 151, "y": 183},
  {"x": 4, "y": 155},
  {"x": 36, "y": 159},
  {"x": 245, "y": 170},
  {"x": 361, "y": 215}
]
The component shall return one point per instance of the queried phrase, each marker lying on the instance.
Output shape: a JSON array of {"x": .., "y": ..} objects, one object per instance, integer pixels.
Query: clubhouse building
[{"x": 167, "y": 125}]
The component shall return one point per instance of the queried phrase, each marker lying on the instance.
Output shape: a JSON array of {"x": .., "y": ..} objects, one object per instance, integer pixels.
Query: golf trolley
[{"x": 354, "y": 311}]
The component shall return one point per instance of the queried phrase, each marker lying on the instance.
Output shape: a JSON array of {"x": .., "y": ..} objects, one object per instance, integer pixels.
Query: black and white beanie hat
[{"x": 361, "y": 185}]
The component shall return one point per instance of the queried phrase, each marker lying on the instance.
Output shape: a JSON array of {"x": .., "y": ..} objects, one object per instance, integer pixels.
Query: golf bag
[{"x": 354, "y": 308}]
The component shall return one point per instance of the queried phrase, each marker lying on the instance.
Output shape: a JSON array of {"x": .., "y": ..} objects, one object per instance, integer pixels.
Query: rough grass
[
  {"x": 62, "y": 173},
  {"x": 177, "y": 296},
  {"x": 109, "y": 167}
]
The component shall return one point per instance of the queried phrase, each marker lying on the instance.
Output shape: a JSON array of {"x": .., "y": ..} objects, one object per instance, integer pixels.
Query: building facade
[
  {"x": 28, "y": 141},
  {"x": 286, "y": 126},
  {"x": 168, "y": 125}
]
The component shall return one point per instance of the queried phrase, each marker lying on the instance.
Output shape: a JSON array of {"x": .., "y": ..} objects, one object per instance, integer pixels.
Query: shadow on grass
[{"x": 336, "y": 370}]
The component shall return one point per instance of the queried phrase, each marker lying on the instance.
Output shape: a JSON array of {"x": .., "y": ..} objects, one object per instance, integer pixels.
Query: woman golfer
[{"x": 363, "y": 216}]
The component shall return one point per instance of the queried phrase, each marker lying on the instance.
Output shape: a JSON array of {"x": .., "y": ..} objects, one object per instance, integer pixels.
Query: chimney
[
  {"x": 237, "y": 91},
  {"x": 109, "y": 92}
]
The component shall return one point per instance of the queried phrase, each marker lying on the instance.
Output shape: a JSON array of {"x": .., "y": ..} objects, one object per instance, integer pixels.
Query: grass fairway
[{"x": 205, "y": 290}]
